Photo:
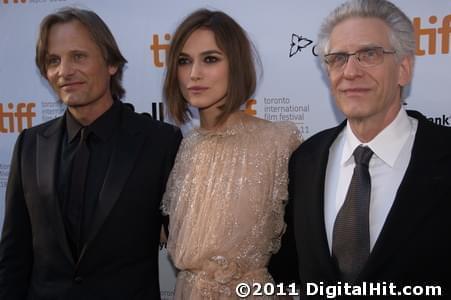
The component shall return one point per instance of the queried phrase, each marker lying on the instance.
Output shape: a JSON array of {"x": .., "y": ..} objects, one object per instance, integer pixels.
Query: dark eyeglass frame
[{"x": 359, "y": 54}]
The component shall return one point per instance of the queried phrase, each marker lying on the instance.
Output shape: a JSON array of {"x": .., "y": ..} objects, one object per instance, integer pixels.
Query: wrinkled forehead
[
  {"x": 355, "y": 33},
  {"x": 74, "y": 35}
]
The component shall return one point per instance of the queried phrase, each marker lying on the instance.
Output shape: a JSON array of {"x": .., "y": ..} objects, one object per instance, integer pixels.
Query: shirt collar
[
  {"x": 72, "y": 126},
  {"x": 387, "y": 145},
  {"x": 103, "y": 127}
]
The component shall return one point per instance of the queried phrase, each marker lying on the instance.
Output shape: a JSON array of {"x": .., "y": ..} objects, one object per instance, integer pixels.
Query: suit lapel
[
  {"x": 47, "y": 148},
  {"x": 411, "y": 202},
  {"x": 128, "y": 144},
  {"x": 317, "y": 165},
  {"x": 316, "y": 219}
]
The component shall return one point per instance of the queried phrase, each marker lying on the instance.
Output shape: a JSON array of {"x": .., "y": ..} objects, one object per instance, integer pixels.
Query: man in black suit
[
  {"x": 82, "y": 214},
  {"x": 393, "y": 225}
]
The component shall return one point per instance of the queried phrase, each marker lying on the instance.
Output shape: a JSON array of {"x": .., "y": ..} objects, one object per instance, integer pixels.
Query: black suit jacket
[
  {"x": 120, "y": 257},
  {"x": 414, "y": 246}
]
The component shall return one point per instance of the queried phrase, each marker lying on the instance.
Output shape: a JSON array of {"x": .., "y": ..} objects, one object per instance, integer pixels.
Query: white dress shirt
[{"x": 392, "y": 149}]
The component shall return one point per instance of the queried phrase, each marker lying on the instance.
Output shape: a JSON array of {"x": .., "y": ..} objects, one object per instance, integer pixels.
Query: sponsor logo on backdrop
[
  {"x": 14, "y": 117},
  {"x": 249, "y": 107},
  {"x": 167, "y": 295},
  {"x": 283, "y": 109},
  {"x": 159, "y": 48},
  {"x": 427, "y": 32},
  {"x": 298, "y": 42},
  {"x": 444, "y": 119},
  {"x": 4, "y": 172},
  {"x": 51, "y": 110}
]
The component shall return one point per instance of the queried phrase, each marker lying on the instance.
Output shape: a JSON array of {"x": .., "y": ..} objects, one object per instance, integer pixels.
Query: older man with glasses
[{"x": 371, "y": 198}]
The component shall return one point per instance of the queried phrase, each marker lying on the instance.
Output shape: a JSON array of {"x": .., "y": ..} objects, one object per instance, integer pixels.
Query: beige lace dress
[{"x": 225, "y": 197}]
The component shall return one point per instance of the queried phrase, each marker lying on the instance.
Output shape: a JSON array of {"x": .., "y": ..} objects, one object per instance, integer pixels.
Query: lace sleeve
[{"x": 168, "y": 201}]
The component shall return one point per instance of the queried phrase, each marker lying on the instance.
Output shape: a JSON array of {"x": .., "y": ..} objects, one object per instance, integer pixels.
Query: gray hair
[{"x": 401, "y": 37}]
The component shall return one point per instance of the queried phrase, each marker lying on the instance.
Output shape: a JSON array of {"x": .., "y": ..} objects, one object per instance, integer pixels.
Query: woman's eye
[
  {"x": 211, "y": 59},
  {"x": 183, "y": 61}
]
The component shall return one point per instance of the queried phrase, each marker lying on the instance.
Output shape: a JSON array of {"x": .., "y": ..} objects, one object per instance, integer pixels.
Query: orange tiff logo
[
  {"x": 444, "y": 30},
  {"x": 249, "y": 107},
  {"x": 14, "y": 1},
  {"x": 157, "y": 48},
  {"x": 15, "y": 115}
]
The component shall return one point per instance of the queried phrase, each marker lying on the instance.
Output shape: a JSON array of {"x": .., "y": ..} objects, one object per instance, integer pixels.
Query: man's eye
[
  {"x": 79, "y": 56},
  {"x": 52, "y": 61},
  {"x": 338, "y": 58},
  {"x": 370, "y": 53}
]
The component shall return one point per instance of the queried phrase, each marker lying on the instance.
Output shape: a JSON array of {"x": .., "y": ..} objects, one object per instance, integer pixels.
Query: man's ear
[{"x": 405, "y": 71}]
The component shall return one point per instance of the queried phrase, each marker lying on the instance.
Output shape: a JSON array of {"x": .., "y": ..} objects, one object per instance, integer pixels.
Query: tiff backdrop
[{"x": 284, "y": 32}]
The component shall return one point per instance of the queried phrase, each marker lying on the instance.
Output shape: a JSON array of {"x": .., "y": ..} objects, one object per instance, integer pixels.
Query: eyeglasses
[{"x": 367, "y": 57}]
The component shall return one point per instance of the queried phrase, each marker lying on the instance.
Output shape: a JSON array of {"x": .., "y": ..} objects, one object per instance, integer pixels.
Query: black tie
[
  {"x": 351, "y": 234},
  {"x": 75, "y": 206}
]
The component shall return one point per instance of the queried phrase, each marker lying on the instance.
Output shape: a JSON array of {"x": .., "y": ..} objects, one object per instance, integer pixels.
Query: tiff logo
[
  {"x": 431, "y": 34},
  {"x": 16, "y": 116},
  {"x": 157, "y": 47},
  {"x": 443, "y": 120},
  {"x": 249, "y": 107}
]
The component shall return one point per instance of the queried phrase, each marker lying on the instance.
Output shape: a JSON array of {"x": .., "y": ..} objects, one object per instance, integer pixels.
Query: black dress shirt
[{"x": 100, "y": 143}]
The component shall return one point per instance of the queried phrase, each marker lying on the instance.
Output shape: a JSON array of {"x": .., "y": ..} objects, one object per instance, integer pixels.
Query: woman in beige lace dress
[{"x": 228, "y": 188}]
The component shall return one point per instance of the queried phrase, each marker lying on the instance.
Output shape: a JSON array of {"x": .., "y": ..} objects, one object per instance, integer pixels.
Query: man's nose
[
  {"x": 352, "y": 67},
  {"x": 65, "y": 68}
]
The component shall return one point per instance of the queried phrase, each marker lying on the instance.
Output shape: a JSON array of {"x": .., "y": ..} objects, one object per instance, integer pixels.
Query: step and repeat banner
[{"x": 292, "y": 86}]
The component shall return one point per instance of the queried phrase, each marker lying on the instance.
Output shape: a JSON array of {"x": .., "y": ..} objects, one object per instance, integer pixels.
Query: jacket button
[{"x": 78, "y": 279}]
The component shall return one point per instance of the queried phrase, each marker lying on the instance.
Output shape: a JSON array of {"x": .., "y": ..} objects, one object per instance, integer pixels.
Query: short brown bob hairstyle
[
  {"x": 241, "y": 55},
  {"x": 100, "y": 34}
]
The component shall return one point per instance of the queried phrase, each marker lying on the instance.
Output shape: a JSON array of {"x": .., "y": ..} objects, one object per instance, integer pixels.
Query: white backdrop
[{"x": 284, "y": 32}]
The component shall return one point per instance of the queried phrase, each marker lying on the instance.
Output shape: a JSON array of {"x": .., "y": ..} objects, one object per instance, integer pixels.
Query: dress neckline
[{"x": 233, "y": 125}]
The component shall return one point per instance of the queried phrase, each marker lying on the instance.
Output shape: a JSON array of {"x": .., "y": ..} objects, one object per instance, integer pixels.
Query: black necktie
[
  {"x": 75, "y": 207},
  {"x": 351, "y": 235}
]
